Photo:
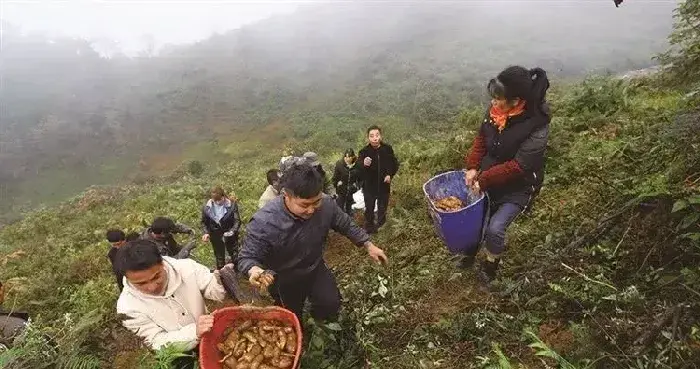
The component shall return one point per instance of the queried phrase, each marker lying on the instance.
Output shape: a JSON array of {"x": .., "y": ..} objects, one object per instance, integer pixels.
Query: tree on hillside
[{"x": 684, "y": 56}]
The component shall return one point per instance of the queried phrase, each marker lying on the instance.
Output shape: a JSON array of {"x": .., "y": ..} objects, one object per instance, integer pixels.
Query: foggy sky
[{"x": 129, "y": 25}]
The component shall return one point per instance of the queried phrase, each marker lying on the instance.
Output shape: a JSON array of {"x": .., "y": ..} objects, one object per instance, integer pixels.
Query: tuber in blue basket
[{"x": 461, "y": 229}]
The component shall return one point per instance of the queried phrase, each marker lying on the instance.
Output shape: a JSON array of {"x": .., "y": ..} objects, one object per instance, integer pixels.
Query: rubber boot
[
  {"x": 466, "y": 260},
  {"x": 487, "y": 272},
  {"x": 186, "y": 250},
  {"x": 231, "y": 280}
]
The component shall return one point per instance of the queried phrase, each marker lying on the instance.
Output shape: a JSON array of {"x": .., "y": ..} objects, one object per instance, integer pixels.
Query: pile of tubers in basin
[
  {"x": 267, "y": 344},
  {"x": 450, "y": 203}
]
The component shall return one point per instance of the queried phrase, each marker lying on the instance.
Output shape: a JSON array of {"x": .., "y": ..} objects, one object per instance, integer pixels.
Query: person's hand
[
  {"x": 376, "y": 253},
  {"x": 204, "y": 324},
  {"x": 205, "y": 237},
  {"x": 340, "y": 183},
  {"x": 387, "y": 179},
  {"x": 367, "y": 162},
  {"x": 476, "y": 188},
  {"x": 260, "y": 278},
  {"x": 470, "y": 176}
]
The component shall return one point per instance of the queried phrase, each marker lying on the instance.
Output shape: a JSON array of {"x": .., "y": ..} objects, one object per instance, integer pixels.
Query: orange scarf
[{"x": 500, "y": 117}]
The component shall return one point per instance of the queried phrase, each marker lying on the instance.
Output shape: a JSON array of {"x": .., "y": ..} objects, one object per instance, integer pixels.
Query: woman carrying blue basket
[{"x": 507, "y": 156}]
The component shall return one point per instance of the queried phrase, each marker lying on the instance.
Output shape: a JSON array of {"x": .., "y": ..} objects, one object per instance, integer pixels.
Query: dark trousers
[
  {"x": 381, "y": 197},
  {"x": 345, "y": 202},
  {"x": 222, "y": 245},
  {"x": 501, "y": 217},
  {"x": 319, "y": 287}
]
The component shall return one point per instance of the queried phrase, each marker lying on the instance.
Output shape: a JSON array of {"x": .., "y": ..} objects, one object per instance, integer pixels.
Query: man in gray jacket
[{"x": 283, "y": 246}]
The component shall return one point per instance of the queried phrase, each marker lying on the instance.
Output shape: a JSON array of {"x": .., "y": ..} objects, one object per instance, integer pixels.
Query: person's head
[
  {"x": 516, "y": 84},
  {"x": 349, "y": 156},
  {"x": 131, "y": 236},
  {"x": 302, "y": 187},
  {"x": 273, "y": 177},
  {"x": 312, "y": 158},
  {"x": 217, "y": 194},
  {"x": 161, "y": 227},
  {"x": 116, "y": 237},
  {"x": 374, "y": 136},
  {"x": 142, "y": 265}
]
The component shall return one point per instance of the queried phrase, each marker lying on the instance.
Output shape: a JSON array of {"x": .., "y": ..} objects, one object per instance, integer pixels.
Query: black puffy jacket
[{"x": 349, "y": 176}]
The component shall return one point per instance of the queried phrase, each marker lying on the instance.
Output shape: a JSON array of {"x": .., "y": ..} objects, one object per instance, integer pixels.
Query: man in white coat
[{"x": 163, "y": 298}]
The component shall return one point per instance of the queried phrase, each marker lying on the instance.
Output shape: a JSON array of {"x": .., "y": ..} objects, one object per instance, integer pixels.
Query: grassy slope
[{"x": 610, "y": 142}]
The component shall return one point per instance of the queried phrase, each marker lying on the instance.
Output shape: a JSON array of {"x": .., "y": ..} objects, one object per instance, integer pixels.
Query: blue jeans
[{"x": 501, "y": 217}]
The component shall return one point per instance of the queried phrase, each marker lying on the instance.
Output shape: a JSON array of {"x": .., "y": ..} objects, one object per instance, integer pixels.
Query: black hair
[
  {"x": 372, "y": 128},
  {"x": 302, "y": 180},
  {"x": 137, "y": 255},
  {"x": 115, "y": 235},
  {"x": 131, "y": 236},
  {"x": 350, "y": 153},
  {"x": 272, "y": 176},
  {"x": 162, "y": 225},
  {"x": 518, "y": 82}
]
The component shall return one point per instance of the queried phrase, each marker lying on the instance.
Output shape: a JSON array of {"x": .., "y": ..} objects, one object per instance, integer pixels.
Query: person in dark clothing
[
  {"x": 507, "y": 156},
  {"x": 161, "y": 232},
  {"x": 117, "y": 239},
  {"x": 379, "y": 166},
  {"x": 283, "y": 246},
  {"x": 221, "y": 223},
  {"x": 346, "y": 179}
]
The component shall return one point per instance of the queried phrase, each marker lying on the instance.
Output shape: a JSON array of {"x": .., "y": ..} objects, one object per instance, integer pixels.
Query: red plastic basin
[{"x": 209, "y": 355}]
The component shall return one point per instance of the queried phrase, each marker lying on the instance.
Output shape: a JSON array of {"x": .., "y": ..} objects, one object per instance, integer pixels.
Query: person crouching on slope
[
  {"x": 283, "y": 246},
  {"x": 161, "y": 232},
  {"x": 221, "y": 223},
  {"x": 117, "y": 239},
  {"x": 163, "y": 298},
  {"x": 507, "y": 157}
]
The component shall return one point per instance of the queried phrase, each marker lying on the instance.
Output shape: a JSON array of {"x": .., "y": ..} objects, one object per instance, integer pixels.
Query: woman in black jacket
[
  {"x": 346, "y": 179},
  {"x": 221, "y": 223},
  {"x": 507, "y": 157}
]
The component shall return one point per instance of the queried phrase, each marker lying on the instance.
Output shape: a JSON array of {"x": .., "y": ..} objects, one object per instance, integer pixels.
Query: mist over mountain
[{"x": 66, "y": 109}]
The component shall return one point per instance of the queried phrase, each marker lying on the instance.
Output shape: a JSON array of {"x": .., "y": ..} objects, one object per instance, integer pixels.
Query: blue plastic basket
[{"x": 460, "y": 230}]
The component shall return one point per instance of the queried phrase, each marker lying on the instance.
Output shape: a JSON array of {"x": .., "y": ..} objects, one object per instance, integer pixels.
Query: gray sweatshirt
[{"x": 292, "y": 247}]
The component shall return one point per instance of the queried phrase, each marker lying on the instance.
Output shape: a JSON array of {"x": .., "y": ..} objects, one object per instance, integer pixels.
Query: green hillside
[{"x": 603, "y": 273}]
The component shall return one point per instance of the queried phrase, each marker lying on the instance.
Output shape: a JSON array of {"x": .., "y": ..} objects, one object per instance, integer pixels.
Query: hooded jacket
[
  {"x": 171, "y": 318},
  {"x": 293, "y": 247}
]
